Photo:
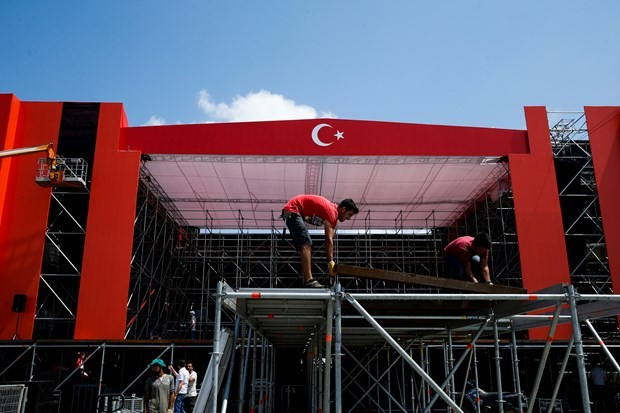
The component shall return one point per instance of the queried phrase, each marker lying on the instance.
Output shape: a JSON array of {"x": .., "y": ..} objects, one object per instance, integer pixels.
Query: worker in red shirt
[
  {"x": 315, "y": 210},
  {"x": 467, "y": 258}
]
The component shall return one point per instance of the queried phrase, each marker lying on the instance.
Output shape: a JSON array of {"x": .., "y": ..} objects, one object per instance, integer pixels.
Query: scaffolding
[
  {"x": 386, "y": 356},
  {"x": 583, "y": 226},
  {"x": 389, "y": 366}
]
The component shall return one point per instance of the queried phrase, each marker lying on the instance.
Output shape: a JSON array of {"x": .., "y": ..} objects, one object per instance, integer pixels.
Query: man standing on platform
[
  {"x": 315, "y": 210},
  {"x": 467, "y": 258}
]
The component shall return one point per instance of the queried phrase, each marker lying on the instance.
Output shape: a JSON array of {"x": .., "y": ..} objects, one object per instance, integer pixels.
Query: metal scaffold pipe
[
  {"x": 403, "y": 353},
  {"x": 498, "y": 369},
  {"x": 328, "y": 356},
  {"x": 556, "y": 388},
  {"x": 581, "y": 366},
  {"x": 543, "y": 359},
  {"x": 216, "y": 345},
  {"x": 458, "y": 364},
  {"x": 603, "y": 346},
  {"x": 338, "y": 349}
]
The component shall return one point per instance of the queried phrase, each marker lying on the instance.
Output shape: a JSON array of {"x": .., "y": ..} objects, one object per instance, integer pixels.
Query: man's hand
[{"x": 331, "y": 266}]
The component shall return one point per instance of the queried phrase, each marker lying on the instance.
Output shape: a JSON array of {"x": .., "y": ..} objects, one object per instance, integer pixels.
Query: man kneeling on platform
[
  {"x": 315, "y": 210},
  {"x": 466, "y": 258}
]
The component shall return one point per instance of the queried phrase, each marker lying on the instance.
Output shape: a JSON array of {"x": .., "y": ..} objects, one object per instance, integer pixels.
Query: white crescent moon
[{"x": 315, "y": 134}]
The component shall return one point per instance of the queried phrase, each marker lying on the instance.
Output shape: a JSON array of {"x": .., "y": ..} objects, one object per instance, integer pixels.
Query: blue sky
[{"x": 439, "y": 62}]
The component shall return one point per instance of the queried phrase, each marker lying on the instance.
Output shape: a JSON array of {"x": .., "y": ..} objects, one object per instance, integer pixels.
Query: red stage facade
[{"x": 105, "y": 272}]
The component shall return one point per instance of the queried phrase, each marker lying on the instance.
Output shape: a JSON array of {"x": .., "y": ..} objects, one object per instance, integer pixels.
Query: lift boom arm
[
  {"x": 55, "y": 175},
  {"x": 49, "y": 148}
]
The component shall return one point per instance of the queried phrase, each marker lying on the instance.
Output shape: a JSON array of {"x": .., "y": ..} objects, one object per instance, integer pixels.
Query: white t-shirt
[
  {"x": 183, "y": 375},
  {"x": 191, "y": 390}
]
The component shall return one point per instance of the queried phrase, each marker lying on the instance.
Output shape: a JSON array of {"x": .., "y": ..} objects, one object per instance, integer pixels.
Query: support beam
[{"x": 425, "y": 280}]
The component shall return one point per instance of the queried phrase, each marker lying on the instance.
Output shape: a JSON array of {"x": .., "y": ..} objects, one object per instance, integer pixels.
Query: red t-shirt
[
  {"x": 462, "y": 248},
  {"x": 310, "y": 205}
]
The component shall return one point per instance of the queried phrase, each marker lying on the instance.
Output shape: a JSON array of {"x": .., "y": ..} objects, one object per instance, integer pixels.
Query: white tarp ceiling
[{"x": 407, "y": 192}]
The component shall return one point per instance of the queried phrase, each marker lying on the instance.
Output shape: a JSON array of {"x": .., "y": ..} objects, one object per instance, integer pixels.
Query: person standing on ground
[
  {"x": 190, "y": 400},
  {"x": 159, "y": 389},
  {"x": 180, "y": 391},
  {"x": 598, "y": 375},
  {"x": 467, "y": 258},
  {"x": 315, "y": 210}
]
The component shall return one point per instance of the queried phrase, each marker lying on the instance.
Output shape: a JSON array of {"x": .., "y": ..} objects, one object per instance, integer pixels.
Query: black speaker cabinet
[{"x": 19, "y": 303}]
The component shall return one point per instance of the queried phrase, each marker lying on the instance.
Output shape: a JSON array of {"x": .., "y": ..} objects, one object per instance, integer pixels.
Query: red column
[
  {"x": 104, "y": 285},
  {"x": 24, "y": 207},
  {"x": 540, "y": 231},
  {"x": 604, "y": 133}
]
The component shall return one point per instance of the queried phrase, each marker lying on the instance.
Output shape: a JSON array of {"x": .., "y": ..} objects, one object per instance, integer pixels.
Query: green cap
[{"x": 158, "y": 362}]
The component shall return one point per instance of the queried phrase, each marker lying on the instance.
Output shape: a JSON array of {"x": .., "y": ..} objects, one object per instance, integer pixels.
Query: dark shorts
[{"x": 299, "y": 232}]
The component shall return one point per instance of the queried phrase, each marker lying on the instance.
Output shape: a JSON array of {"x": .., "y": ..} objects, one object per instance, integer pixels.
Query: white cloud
[
  {"x": 155, "y": 121},
  {"x": 256, "y": 106}
]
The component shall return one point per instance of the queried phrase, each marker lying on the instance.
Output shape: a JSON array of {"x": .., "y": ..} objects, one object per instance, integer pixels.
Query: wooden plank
[{"x": 425, "y": 280}]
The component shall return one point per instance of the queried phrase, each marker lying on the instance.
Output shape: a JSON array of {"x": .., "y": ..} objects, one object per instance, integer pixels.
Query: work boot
[{"x": 312, "y": 283}]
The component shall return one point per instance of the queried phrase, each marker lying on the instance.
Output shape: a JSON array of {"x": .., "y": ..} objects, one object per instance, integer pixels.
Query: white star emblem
[{"x": 339, "y": 135}]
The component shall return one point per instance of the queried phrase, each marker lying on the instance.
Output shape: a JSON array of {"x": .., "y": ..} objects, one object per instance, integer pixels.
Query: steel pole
[
  {"x": 458, "y": 364},
  {"x": 581, "y": 366},
  {"x": 543, "y": 359},
  {"x": 476, "y": 380},
  {"x": 33, "y": 361},
  {"x": 338, "y": 349},
  {"x": 498, "y": 369},
  {"x": 253, "y": 383},
  {"x": 558, "y": 382},
  {"x": 451, "y": 364},
  {"x": 101, "y": 372},
  {"x": 515, "y": 368},
  {"x": 328, "y": 356},
  {"x": 232, "y": 367},
  {"x": 261, "y": 385},
  {"x": 244, "y": 373},
  {"x": 17, "y": 359},
  {"x": 603, "y": 346},
  {"x": 379, "y": 385},
  {"x": 403, "y": 353},
  {"x": 216, "y": 345}
]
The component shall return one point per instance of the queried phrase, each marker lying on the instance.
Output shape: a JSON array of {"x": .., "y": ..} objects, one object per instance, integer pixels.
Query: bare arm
[
  {"x": 469, "y": 273},
  {"x": 172, "y": 396},
  {"x": 173, "y": 371},
  {"x": 179, "y": 387},
  {"x": 486, "y": 273},
  {"x": 147, "y": 396},
  {"x": 329, "y": 241}
]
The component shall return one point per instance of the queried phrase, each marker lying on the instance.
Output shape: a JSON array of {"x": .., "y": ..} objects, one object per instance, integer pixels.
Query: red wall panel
[
  {"x": 9, "y": 111},
  {"x": 540, "y": 230},
  {"x": 604, "y": 132},
  {"x": 24, "y": 207},
  {"x": 104, "y": 285}
]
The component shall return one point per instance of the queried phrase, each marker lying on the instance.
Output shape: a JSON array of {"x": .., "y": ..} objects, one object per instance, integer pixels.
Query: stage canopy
[{"x": 232, "y": 192}]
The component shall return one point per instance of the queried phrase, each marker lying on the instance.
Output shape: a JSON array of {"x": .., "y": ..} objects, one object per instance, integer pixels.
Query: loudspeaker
[{"x": 19, "y": 303}]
